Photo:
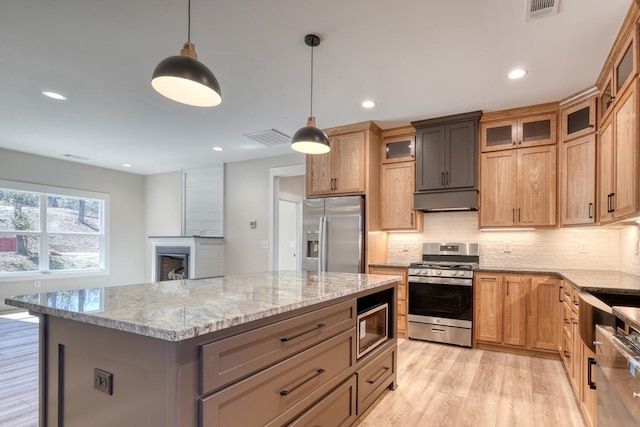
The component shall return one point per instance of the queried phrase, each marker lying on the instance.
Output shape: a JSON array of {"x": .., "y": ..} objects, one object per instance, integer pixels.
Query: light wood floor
[
  {"x": 441, "y": 385},
  {"x": 438, "y": 385},
  {"x": 18, "y": 370}
]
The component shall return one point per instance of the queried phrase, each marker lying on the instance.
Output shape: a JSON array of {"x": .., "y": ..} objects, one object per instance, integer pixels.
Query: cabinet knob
[{"x": 636, "y": 395}]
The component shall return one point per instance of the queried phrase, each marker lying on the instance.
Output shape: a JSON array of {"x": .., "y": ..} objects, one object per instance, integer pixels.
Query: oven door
[{"x": 446, "y": 301}]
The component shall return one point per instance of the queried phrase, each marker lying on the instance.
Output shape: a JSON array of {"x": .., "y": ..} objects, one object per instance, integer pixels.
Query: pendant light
[
  {"x": 310, "y": 139},
  {"x": 184, "y": 79}
]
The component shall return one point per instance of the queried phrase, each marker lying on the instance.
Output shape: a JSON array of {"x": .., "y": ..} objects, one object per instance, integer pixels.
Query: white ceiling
[{"x": 417, "y": 58}]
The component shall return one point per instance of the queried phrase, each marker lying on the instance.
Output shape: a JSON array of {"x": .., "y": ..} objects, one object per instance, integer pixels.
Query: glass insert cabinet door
[
  {"x": 579, "y": 119},
  {"x": 519, "y": 132}
]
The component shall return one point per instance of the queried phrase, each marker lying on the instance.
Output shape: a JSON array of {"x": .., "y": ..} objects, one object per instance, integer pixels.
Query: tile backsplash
[{"x": 592, "y": 248}]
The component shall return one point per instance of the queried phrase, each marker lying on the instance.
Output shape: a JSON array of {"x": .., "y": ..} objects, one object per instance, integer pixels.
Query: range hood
[{"x": 465, "y": 200}]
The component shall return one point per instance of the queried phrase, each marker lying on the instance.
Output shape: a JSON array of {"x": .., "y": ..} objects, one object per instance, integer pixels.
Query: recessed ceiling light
[
  {"x": 517, "y": 73},
  {"x": 54, "y": 95},
  {"x": 218, "y": 149},
  {"x": 368, "y": 104},
  {"x": 126, "y": 165}
]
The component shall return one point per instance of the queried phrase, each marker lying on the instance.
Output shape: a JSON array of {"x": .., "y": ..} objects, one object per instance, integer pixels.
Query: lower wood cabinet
[
  {"x": 374, "y": 377},
  {"x": 402, "y": 294},
  {"x": 338, "y": 408},
  {"x": 517, "y": 311}
]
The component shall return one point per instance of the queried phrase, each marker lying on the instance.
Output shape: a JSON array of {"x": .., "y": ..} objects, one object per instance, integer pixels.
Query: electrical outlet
[
  {"x": 103, "y": 381},
  {"x": 36, "y": 283},
  {"x": 405, "y": 247},
  {"x": 583, "y": 248},
  {"x": 264, "y": 244},
  {"x": 506, "y": 247}
]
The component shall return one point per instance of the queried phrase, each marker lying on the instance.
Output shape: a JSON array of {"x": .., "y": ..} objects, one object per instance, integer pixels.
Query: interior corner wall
[
  {"x": 246, "y": 194},
  {"x": 126, "y": 219}
]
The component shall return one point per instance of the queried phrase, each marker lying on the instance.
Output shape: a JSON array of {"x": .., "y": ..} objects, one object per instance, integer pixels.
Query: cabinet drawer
[
  {"x": 402, "y": 290},
  {"x": 402, "y": 307},
  {"x": 567, "y": 316},
  {"x": 373, "y": 378},
  {"x": 230, "y": 359},
  {"x": 338, "y": 408},
  {"x": 277, "y": 394}
]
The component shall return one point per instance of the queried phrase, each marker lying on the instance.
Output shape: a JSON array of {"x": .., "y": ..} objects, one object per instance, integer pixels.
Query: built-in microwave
[{"x": 373, "y": 329}]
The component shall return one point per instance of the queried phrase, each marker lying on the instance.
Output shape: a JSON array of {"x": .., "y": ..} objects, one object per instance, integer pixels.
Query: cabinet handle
[
  {"x": 412, "y": 219},
  {"x": 591, "y": 126},
  {"x": 514, "y": 142},
  {"x": 513, "y": 216},
  {"x": 566, "y": 353},
  {"x": 318, "y": 326},
  {"x": 446, "y": 178},
  {"x": 560, "y": 293},
  {"x": 590, "y": 207},
  {"x": 303, "y": 382},
  {"x": 609, "y": 202},
  {"x": 613, "y": 209},
  {"x": 335, "y": 180},
  {"x": 442, "y": 179},
  {"x": 567, "y": 321},
  {"x": 382, "y": 372},
  {"x": 574, "y": 321},
  {"x": 610, "y": 101},
  {"x": 520, "y": 142},
  {"x": 507, "y": 288},
  {"x": 590, "y": 362},
  {"x": 518, "y": 214}
]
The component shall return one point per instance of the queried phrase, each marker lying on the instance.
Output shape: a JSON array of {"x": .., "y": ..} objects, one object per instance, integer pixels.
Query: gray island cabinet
[{"x": 274, "y": 349}]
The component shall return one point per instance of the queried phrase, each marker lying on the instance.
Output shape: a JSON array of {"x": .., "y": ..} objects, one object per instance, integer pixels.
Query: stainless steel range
[{"x": 441, "y": 293}]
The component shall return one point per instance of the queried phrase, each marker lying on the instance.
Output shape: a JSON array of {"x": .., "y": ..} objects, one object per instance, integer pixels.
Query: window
[{"x": 51, "y": 230}]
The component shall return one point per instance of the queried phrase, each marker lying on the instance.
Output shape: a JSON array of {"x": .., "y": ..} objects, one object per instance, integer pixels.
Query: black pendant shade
[
  {"x": 186, "y": 80},
  {"x": 310, "y": 139}
]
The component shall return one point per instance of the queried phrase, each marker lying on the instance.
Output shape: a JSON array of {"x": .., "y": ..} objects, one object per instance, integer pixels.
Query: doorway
[{"x": 285, "y": 226}]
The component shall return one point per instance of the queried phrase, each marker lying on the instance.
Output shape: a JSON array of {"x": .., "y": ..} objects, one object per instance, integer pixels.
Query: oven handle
[{"x": 440, "y": 281}]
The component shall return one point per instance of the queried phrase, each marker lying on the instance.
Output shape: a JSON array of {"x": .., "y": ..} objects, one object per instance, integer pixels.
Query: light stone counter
[{"x": 181, "y": 309}]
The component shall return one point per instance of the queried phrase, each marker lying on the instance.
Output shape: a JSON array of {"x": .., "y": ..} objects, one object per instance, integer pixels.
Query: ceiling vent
[
  {"x": 270, "y": 138},
  {"x": 537, "y": 9}
]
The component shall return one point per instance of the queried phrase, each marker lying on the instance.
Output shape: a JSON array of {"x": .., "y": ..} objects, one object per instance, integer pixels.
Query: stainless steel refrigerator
[{"x": 332, "y": 230}]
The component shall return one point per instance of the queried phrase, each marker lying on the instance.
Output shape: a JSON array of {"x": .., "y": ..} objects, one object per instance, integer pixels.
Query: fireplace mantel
[{"x": 205, "y": 254}]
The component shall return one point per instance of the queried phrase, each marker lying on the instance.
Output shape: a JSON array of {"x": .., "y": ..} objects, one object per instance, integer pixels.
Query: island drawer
[
  {"x": 281, "y": 392},
  {"x": 373, "y": 378},
  {"x": 231, "y": 359},
  {"x": 336, "y": 409}
]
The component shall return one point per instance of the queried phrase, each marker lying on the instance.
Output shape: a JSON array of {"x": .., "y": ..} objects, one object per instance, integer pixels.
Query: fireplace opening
[{"x": 172, "y": 262}]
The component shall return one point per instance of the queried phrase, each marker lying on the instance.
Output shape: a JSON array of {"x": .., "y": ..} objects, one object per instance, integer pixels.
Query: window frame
[{"x": 44, "y": 191}]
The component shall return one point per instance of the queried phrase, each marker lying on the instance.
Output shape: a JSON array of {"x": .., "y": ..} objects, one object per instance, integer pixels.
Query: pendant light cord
[
  {"x": 311, "y": 108},
  {"x": 189, "y": 21}
]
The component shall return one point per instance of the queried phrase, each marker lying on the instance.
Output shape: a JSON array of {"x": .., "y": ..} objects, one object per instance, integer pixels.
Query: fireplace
[
  {"x": 172, "y": 262},
  {"x": 185, "y": 257}
]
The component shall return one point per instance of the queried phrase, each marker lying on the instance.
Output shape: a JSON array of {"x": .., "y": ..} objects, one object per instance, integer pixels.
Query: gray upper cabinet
[{"x": 447, "y": 152}]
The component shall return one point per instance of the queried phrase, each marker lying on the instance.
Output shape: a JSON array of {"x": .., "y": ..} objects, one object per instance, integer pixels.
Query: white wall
[
  {"x": 247, "y": 198},
  {"x": 127, "y": 217},
  {"x": 540, "y": 249}
]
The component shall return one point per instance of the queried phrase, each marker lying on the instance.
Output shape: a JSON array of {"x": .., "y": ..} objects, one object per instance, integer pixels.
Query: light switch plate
[{"x": 264, "y": 244}]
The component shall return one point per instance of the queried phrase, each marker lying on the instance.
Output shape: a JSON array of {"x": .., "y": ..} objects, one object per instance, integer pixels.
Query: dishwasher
[{"x": 618, "y": 373}]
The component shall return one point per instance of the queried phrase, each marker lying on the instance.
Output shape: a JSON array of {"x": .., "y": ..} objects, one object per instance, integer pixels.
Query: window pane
[
  {"x": 19, "y": 253},
  {"x": 19, "y": 211},
  {"x": 69, "y": 252},
  {"x": 73, "y": 215}
]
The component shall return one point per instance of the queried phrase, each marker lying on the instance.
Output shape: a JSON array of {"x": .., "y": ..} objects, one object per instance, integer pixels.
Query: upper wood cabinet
[
  {"x": 621, "y": 70},
  {"x": 618, "y": 159},
  {"x": 446, "y": 152},
  {"x": 518, "y": 187},
  {"x": 398, "y": 145},
  {"x": 578, "y": 181},
  {"x": 396, "y": 197},
  {"x": 344, "y": 169},
  {"x": 513, "y": 132},
  {"x": 578, "y": 120},
  {"x": 397, "y": 181}
]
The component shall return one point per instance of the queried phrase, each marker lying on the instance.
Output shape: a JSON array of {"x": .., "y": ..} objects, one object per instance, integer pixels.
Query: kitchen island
[{"x": 274, "y": 348}]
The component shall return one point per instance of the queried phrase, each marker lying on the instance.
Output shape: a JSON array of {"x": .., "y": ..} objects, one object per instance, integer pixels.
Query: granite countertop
[
  {"x": 181, "y": 309},
  {"x": 587, "y": 280},
  {"x": 389, "y": 265}
]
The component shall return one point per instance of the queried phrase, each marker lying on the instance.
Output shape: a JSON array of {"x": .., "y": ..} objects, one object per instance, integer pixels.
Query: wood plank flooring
[
  {"x": 440, "y": 385},
  {"x": 18, "y": 370}
]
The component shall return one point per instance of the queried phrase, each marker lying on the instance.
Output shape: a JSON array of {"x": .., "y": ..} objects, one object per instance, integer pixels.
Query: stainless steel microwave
[{"x": 373, "y": 329}]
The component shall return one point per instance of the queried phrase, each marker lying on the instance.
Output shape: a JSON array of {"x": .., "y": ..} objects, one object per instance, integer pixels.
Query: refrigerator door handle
[{"x": 323, "y": 255}]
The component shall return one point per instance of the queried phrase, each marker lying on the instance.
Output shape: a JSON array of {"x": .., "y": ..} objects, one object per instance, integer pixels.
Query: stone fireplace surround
[{"x": 204, "y": 254}]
